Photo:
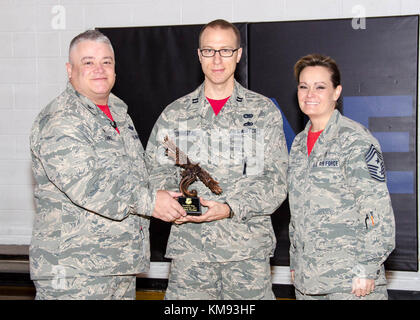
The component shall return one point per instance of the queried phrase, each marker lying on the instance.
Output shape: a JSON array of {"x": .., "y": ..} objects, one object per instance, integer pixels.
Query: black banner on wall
[
  {"x": 156, "y": 65},
  {"x": 378, "y": 67}
]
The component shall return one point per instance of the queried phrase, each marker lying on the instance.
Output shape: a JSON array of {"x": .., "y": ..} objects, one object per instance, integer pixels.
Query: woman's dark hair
[{"x": 315, "y": 59}]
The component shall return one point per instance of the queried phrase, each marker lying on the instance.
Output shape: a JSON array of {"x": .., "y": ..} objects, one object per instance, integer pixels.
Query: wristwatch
[{"x": 230, "y": 211}]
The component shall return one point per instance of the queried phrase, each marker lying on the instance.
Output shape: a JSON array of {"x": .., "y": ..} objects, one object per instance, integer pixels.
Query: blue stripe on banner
[
  {"x": 400, "y": 182},
  {"x": 361, "y": 109},
  {"x": 393, "y": 141},
  {"x": 288, "y": 131}
]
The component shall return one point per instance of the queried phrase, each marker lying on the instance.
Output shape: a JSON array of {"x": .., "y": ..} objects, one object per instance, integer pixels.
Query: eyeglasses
[{"x": 225, "y": 53}]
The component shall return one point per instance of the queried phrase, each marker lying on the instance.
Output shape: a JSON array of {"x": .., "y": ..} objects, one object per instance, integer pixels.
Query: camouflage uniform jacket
[
  {"x": 90, "y": 191},
  {"x": 342, "y": 222},
  {"x": 253, "y": 181}
]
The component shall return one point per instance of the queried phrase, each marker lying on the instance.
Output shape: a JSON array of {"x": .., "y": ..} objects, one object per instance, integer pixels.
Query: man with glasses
[{"x": 237, "y": 137}]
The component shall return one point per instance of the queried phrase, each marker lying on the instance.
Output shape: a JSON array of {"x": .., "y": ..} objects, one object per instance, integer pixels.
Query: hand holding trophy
[{"x": 190, "y": 202}]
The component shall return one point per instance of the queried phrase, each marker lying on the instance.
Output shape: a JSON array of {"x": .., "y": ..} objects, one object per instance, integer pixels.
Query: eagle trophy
[{"x": 191, "y": 171}]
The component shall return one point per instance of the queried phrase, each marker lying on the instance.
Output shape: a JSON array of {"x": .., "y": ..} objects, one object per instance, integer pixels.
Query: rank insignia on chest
[{"x": 375, "y": 164}]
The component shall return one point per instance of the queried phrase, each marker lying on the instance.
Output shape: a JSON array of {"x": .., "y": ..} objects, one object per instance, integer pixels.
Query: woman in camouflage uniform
[{"x": 342, "y": 223}]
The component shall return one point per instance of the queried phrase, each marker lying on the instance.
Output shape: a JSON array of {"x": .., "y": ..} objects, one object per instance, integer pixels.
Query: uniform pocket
[{"x": 327, "y": 176}]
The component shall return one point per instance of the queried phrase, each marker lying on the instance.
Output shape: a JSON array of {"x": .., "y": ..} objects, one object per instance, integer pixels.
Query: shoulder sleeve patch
[{"x": 375, "y": 164}]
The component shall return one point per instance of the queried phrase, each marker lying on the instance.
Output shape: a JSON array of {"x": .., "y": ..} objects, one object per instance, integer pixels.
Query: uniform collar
[
  {"x": 327, "y": 135},
  {"x": 117, "y": 107},
  {"x": 200, "y": 105},
  {"x": 330, "y": 131}
]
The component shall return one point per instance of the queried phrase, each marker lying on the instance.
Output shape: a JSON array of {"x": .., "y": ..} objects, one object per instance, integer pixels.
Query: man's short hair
[
  {"x": 91, "y": 35},
  {"x": 222, "y": 24}
]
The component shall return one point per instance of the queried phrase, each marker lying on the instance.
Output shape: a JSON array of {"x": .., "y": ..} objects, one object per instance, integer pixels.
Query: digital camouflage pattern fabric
[
  {"x": 342, "y": 223},
  {"x": 87, "y": 288},
  {"x": 244, "y": 149},
  {"x": 236, "y": 280},
  {"x": 91, "y": 191}
]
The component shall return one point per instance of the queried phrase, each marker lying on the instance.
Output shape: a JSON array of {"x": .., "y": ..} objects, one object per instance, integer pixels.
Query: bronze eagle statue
[{"x": 191, "y": 171}]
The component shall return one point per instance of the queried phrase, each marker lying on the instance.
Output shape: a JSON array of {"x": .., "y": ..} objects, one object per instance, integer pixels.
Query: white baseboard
[
  {"x": 403, "y": 280},
  {"x": 158, "y": 270},
  {"x": 397, "y": 280},
  {"x": 11, "y": 239}
]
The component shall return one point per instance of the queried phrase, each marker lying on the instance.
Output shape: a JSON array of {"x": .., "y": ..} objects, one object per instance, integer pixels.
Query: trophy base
[{"x": 191, "y": 205}]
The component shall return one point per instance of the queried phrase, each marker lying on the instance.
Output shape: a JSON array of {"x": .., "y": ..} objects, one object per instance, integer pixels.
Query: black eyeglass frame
[{"x": 219, "y": 51}]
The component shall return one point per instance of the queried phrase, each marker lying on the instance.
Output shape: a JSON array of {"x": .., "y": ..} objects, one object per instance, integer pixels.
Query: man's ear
[
  {"x": 238, "y": 58},
  {"x": 199, "y": 54},
  {"x": 69, "y": 69}
]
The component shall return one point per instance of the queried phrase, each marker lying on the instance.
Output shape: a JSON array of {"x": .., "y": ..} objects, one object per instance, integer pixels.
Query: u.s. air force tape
[{"x": 375, "y": 164}]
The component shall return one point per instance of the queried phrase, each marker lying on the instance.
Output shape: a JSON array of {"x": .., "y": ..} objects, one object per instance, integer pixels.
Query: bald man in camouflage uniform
[
  {"x": 342, "y": 225},
  {"x": 223, "y": 254},
  {"x": 93, "y": 202}
]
